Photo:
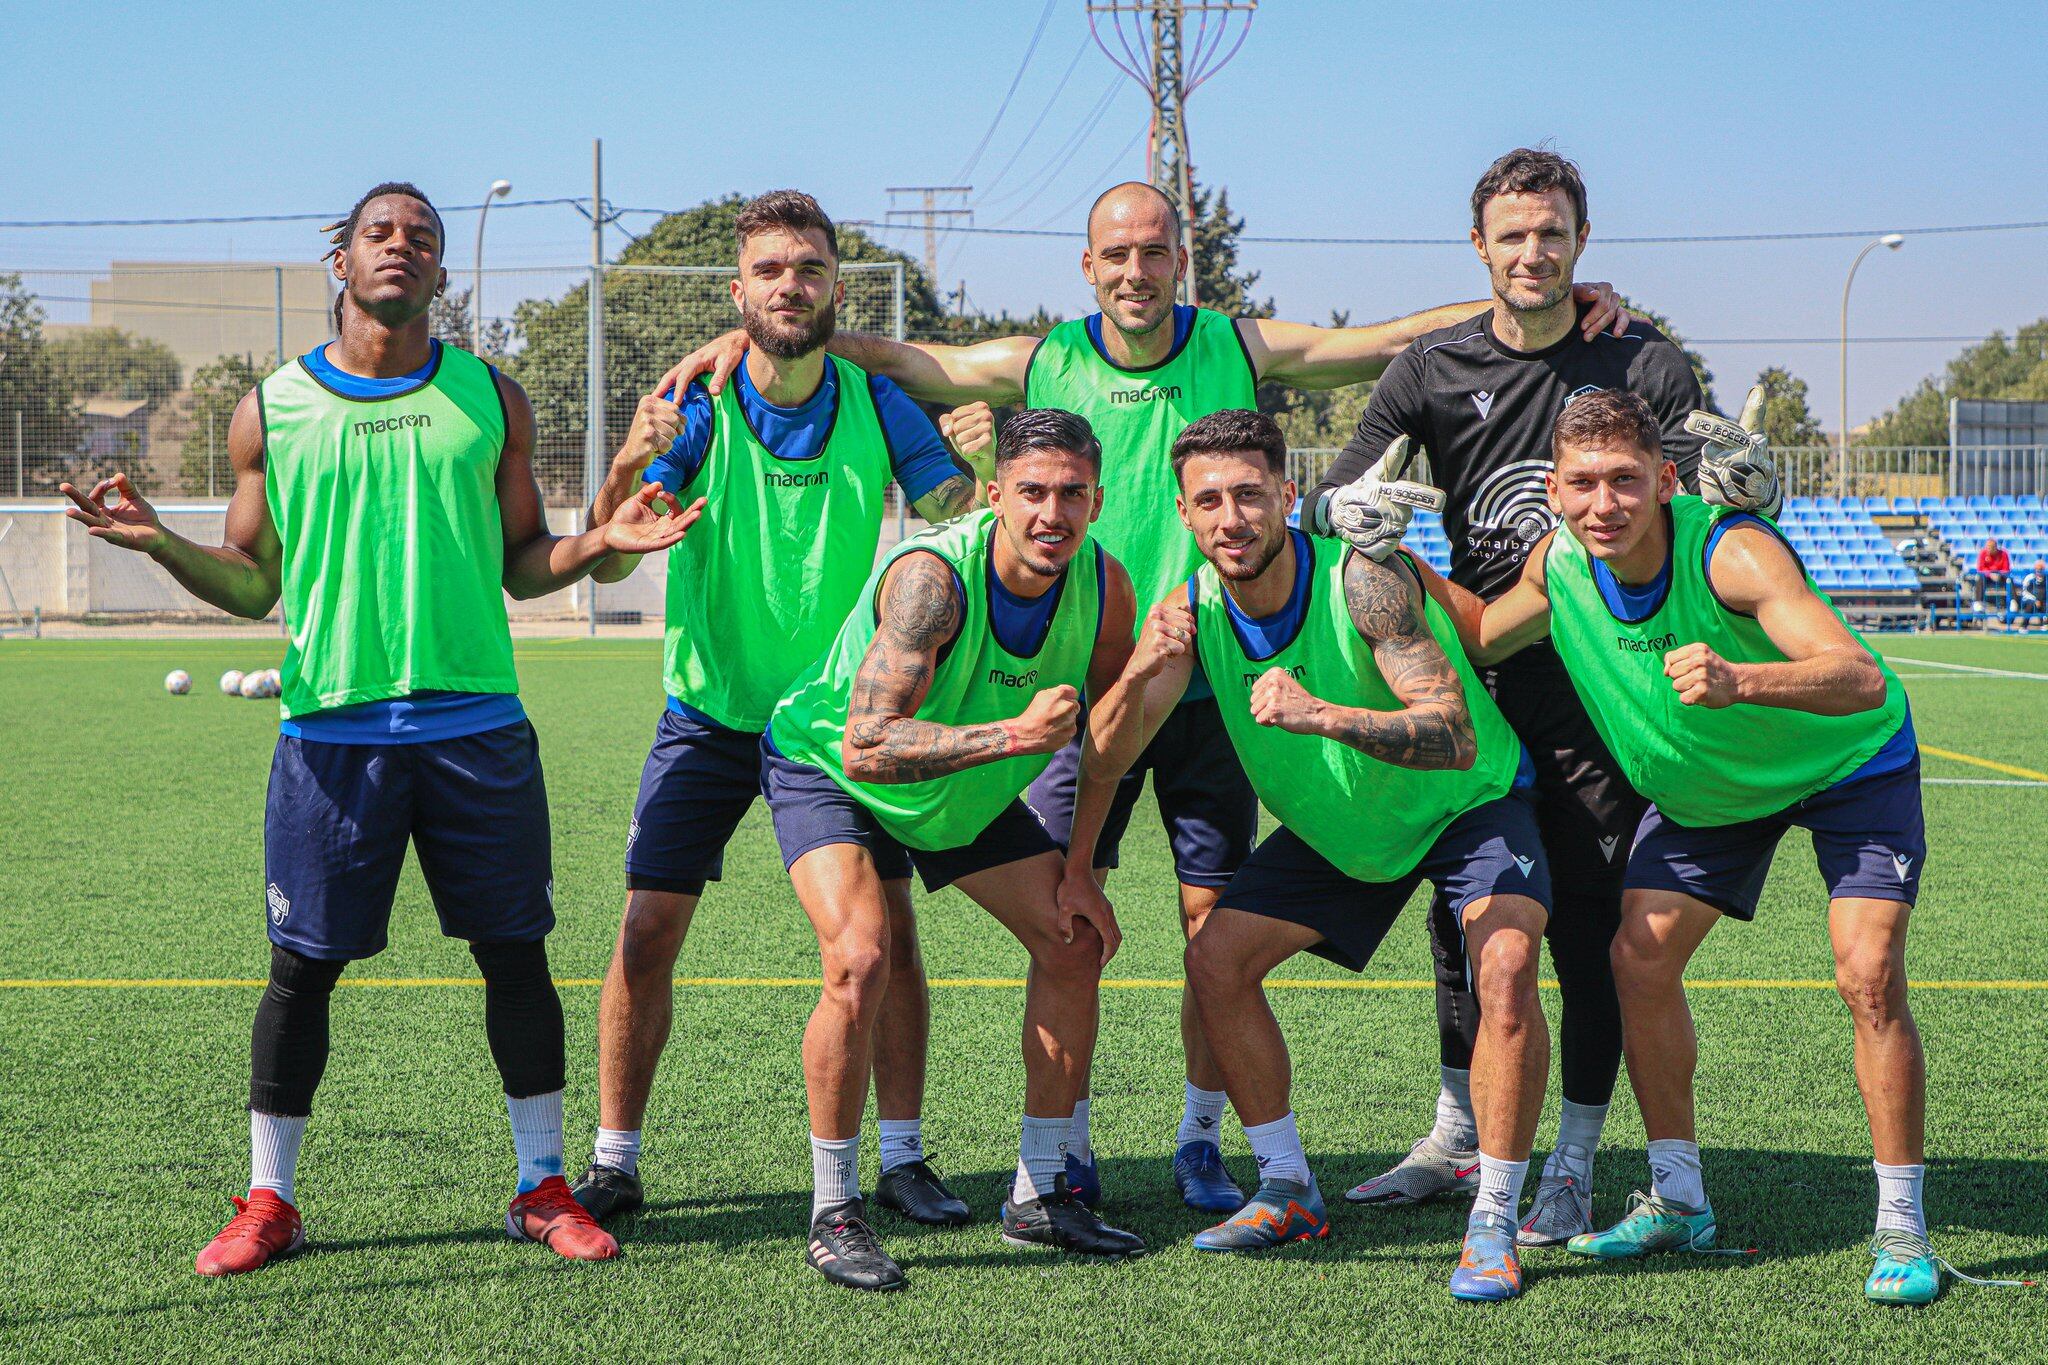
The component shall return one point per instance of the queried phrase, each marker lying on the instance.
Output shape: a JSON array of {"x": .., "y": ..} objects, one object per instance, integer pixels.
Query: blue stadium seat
[{"x": 2004, "y": 500}]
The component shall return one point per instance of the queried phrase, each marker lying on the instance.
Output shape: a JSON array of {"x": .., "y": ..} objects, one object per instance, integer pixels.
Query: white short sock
[
  {"x": 835, "y": 1171},
  {"x": 1277, "y": 1148},
  {"x": 1675, "y": 1172},
  {"x": 902, "y": 1142},
  {"x": 536, "y": 1136},
  {"x": 1579, "y": 1125},
  {"x": 1201, "y": 1115},
  {"x": 618, "y": 1148},
  {"x": 1456, "y": 1127},
  {"x": 1898, "y": 1198},
  {"x": 274, "y": 1153},
  {"x": 1077, "y": 1135},
  {"x": 1041, "y": 1158},
  {"x": 1500, "y": 1189}
]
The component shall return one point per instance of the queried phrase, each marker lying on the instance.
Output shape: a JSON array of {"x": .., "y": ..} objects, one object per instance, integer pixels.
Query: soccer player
[
  {"x": 953, "y": 681},
  {"x": 1139, "y": 371},
  {"x": 384, "y": 488},
  {"x": 792, "y": 458},
  {"x": 1348, "y": 698},
  {"x": 1741, "y": 704},
  {"x": 1481, "y": 396}
]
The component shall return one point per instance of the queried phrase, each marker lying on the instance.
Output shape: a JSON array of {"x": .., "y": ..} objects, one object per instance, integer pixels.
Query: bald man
[{"x": 1140, "y": 370}]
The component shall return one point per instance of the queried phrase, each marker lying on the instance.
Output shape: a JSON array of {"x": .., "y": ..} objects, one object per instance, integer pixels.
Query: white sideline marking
[
  {"x": 1978, "y": 782},
  {"x": 1970, "y": 668}
]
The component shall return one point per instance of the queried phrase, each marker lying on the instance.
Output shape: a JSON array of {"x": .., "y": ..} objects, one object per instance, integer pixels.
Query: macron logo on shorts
[
  {"x": 1607, "y": 846},
  {"x": 280, "y": 907},
  {"x": 1904, "y": 865},
  {"x": 1524, "y": 863}
]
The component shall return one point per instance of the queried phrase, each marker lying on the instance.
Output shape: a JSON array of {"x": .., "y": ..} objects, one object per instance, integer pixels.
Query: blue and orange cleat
[
  {"x": 1488, "y": 1270},
  {"x": 1204, "y": 1185},
  {"x": 1282, "y": 1211}
]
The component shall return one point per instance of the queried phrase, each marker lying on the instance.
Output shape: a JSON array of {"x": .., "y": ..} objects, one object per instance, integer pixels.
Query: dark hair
[
  {"x": 1607, "y": 419},
  {"x": 1530, "y": 170},
  {"x": 791, "y": 210},
  {"x": 1048, "y": 429},
  {"x": 1232, "y": 431},
  {"x": 342, "y": 233}
]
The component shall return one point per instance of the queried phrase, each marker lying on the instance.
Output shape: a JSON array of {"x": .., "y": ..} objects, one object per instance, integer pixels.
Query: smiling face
[
  {"x": 1612, "y": 497},
  {"x": 1134, "y": 258},
  {"x": 788, "y": 290},
  {"x": 391, "y": 265},
  {"x": 1044, "y": 500},
  {"x": 1237, "y": 506},
  {"x": 1530, "y": 243}
]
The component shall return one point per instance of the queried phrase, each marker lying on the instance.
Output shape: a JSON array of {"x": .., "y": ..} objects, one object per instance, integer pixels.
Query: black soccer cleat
[
  {"x": 846, "y": 1251},
  {"x": 915, "y": 1191},
  {"x": 606, "y": 1190},
  {"x": 1062, "y": 1222}
]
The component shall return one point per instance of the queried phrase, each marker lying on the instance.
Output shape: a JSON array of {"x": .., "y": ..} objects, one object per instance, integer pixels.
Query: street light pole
[
  {"x": 1894, "y": 241},
  {"x": 499, "y": 189}
]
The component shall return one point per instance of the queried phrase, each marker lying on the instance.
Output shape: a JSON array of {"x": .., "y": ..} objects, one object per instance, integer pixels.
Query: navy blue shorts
[
  {"x": 811, "y": 811},
  {"x": 339, "y": 816},
  {"x": 1206, "y": 801},
  {"x": 1868, "y": 837},
  {"x": 1491, "y": 850},
  {"x": 695, "y": 788}
]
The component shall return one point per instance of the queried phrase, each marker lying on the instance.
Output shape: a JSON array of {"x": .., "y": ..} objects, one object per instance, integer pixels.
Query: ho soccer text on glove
[
  {"x": 1736, "y": 466},
  {"x": 1372, "y": 511}
]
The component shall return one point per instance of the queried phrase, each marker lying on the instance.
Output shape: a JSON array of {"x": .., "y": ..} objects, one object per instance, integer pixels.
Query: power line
[
  {"x": 1088, "y": 189},
  {"x": 1831, "y": 235},
  {"x": 1038, "y": 122},
  {"x": 329, "y": 216},
  {"x": 1044, "y": 17}
]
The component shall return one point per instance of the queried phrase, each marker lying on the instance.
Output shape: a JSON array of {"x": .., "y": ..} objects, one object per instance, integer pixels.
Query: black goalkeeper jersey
[{"x": 1484, "y": 413}]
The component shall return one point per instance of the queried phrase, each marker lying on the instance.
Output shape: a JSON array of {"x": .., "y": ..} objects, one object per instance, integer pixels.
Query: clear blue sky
[{"x": 1336, "y": 118}]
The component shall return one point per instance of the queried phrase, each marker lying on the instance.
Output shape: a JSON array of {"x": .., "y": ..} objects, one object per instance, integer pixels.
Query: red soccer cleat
[
  {"x": 550, "y": 1215},
  {"x": 264, "y": 1227}
]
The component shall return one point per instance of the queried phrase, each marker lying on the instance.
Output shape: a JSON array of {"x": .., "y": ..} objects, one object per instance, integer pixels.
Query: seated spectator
[
  {"x": 1994, "y": 572},
  {"x": 2034, "y": 590}
]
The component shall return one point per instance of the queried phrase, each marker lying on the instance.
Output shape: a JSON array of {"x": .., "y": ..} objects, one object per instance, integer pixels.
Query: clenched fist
[
  {"x": 656, "y": 424},
  {"x": 1701, "y": 677},
  {"x": 1168, "y": 633},
  {"x": 1281, "y": 702},
  {"x": 971, "y": 430},
  {"x": 1047, "y": 723}
]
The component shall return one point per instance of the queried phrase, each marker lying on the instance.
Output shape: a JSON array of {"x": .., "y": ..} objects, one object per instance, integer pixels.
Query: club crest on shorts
[{"x": 280, "y": 905}]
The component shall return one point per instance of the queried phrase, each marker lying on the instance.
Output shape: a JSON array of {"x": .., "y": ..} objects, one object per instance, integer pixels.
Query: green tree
[
  {"x": 1994, "y": 368},
  {"x": 1698, "y": 362},
  {"x": 1788, "y": 421},
  {"x": 216, "y": 389},
  {"x": 450, "y": 321},
  {"x": 106, "y": 362},
  {"x": 33, "y": 399}
]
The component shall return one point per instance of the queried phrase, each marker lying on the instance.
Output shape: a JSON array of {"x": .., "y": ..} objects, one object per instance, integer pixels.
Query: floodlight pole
[
  {"x": 499, "y": 189},
  {"x": 1894, "y": 241}
]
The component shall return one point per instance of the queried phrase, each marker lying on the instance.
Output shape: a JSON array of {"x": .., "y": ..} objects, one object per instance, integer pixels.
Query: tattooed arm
[
  {"x": 920, "y": 611},
  {"x": 953, "y": 498},
  {"x": 1433, "y": 729}
]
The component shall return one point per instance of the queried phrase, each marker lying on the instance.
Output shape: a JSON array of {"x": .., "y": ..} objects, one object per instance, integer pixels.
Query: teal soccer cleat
[
  {"x": 1907, "y": 1270},
  {"x": 1652, "y": 1225}
]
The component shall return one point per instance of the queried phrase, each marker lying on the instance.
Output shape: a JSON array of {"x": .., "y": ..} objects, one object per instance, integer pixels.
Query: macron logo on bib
[{"x": 399, "y": 423}]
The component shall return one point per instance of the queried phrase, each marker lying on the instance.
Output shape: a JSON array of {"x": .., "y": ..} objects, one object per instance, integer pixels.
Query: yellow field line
[
  {"x": 2009, "y": 769},
  {"x": 945, "y": 983}
]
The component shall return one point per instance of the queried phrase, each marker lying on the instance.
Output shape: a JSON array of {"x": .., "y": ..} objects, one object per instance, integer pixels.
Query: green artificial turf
[{"x": 131, "y": 848}]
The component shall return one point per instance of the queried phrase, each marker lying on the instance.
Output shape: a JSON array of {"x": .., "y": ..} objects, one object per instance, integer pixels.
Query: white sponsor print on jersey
[
  {"x": 1607, "y": 846},
  {"x": 1576, "y": 394},
  {"x": 1484, "y": 402},
  {"x": 280, "y": 907},
  {"x": 1511, "y": 502}
]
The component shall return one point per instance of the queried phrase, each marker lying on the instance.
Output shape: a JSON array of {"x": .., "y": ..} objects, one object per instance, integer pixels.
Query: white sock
[
  {"x": 1276, "y": 1146},
  {"x": 274, "y": 1153},
  {"x": 618, "y": 1148},
  {"x": 1201, "y": 1115},
  {"x": 1456, "y": 1127},
  {"x": 1579, "y": 1125},
  {"x": 536, "y": 1136},
  {"x": 1500, "y": 1189},
  {"x": 1077, "y": 1136},
  {"x": 1898, "y": 1198},
  {"x": 1041, "y": 1157},
  {"x": 1675, "y": 1172},
  {"x": 835, "y": 1171},
  {"x": 902, "y": 1142}
]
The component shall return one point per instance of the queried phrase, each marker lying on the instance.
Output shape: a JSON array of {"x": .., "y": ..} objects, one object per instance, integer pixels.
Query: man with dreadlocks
[{"x": 384, "y": 487}]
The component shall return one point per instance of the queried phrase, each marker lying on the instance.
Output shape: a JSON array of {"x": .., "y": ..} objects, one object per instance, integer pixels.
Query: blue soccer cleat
[
  {"x": 1282, "y": 1211},
  {"x": 1084, "y": 1181},
  {"x": 1488, "y": 1270},
  {"x": 1204, "y": 1185},
  {"x": 1907, "y": 1270}
]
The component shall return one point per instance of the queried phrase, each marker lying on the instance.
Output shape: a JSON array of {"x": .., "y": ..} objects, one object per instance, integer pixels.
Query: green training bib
[
  {"x": 393, "y": 552},
  {"x": 1371, "y": 819},
  {"x": 764, "y": 578},
  {"x": 1701, "y": 766},
  {"x": 976, "y": 681},
  {"x": 1137, "y": 415}
]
